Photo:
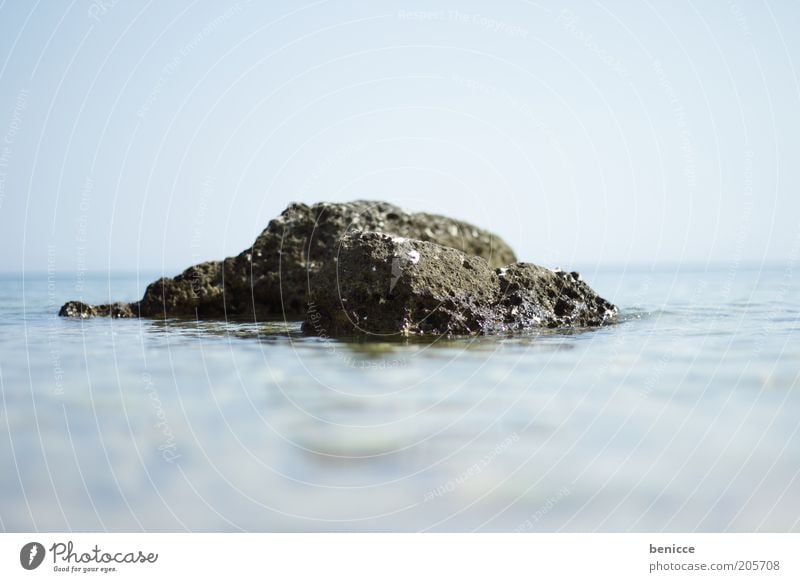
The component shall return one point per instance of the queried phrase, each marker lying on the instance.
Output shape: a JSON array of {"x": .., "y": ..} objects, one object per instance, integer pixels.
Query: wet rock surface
[
  {"x": 387, "y": 285},
  {"x": 534, "y": 296},
  {"x": 83, "y": 311},
  {"x": 271, "y": 278},
  {"x": 197, "y": 292}
]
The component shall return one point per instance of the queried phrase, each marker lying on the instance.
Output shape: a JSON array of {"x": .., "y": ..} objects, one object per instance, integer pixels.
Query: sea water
[{"x": 683, "y": 417}]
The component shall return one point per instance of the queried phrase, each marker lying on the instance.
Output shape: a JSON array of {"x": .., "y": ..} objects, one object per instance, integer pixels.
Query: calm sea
[{"x": 684, "y": 417}]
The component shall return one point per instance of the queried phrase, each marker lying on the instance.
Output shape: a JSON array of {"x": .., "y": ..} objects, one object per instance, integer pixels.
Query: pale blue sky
[{"x": 155, "y": 135}]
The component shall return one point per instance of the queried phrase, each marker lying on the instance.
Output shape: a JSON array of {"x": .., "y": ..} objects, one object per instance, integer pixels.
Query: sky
[{"x": 153, "y": 135}]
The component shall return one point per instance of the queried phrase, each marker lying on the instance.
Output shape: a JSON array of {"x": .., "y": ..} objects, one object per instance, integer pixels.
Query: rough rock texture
[
  {"x": 197, "y": 291},
  {"x": 276, "y": 272},
  {"x": 271, "y": 278},
  {"x": 83, "y": 311},
  {"x": 387, "y": 285},
  {"x": 532, "y": 296}
]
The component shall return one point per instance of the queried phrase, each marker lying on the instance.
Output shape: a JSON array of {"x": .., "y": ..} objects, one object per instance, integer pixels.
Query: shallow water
[{"x": 682, "y": 417}]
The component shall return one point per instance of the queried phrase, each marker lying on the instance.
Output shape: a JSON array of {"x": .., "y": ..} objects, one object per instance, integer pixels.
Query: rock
[
  {"x": 197, "y": 292},
  {"x": 271, "y": 278},
  {"x": 534, "y": 296},
  {"x": 388, "y": 285},
  {"x": 383, "y": 284},
  {"x": 84, "y": 311}
]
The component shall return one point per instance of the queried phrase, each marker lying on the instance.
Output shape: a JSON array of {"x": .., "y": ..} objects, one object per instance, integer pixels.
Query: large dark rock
[
  {"x": 387, "y": 285},
  {"x": 272, "y": 277}
]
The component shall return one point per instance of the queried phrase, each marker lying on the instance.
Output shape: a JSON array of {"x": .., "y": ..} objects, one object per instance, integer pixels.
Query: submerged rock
[
  {"x": 386, "y": 285},
  {"x": 84, "y": 311},
  {"x": 272, "y": 277}
]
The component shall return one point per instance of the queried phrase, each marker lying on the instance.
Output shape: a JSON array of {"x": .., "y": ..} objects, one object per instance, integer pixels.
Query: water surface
[{"x": 683, "y": 417}]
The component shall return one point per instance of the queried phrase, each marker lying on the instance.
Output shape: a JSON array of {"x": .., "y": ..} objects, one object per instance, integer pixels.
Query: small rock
[
  {"x": 77, "y": 309},
  {"x": 83, "y": 311}
]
